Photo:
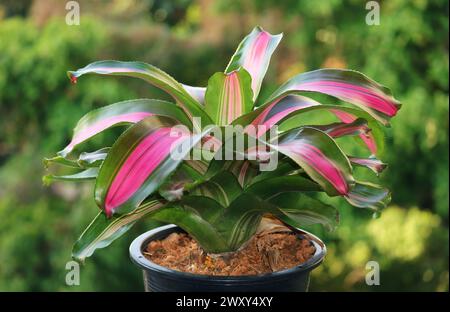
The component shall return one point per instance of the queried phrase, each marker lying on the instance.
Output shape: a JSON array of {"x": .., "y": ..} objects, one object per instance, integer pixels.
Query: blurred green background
[{"x": 191, "y": 40}]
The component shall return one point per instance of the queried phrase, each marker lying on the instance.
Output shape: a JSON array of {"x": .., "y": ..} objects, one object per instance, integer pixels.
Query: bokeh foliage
[{"x": 408, "y": 52}]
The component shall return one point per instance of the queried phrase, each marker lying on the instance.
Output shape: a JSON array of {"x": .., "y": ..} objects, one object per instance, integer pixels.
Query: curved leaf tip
[
  {"x": 253, "y": 54},
  {"x": 47, "y": 180},
  {"x": 73, "y": 78}
]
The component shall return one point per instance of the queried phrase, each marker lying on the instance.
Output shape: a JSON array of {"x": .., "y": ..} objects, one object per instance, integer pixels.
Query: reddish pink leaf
[
  {"x": 320, "y": 163},
  {"x": 347, "y": 85},
  {"x": 368, "y": 137},
  {"x": 141, "y": 162}
]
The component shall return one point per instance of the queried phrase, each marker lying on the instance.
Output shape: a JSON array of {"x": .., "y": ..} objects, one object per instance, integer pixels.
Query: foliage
[
  {"x": 408, "y": 52},
  {"x": 130, "y": 174}
]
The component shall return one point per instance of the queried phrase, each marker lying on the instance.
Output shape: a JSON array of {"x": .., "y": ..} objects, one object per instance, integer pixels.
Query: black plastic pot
[{"x": 161, "y": 279}]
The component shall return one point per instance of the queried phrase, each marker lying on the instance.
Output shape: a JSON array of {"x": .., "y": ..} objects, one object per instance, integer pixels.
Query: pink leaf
[
  {"x": 253, "y": 54},
  {"x": 141, "y": 162}
]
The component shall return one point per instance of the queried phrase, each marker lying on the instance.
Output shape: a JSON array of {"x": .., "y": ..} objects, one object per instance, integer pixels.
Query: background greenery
[{"x": 191, "y": 40}]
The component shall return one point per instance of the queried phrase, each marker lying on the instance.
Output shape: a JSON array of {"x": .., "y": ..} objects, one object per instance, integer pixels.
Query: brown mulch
[{"x": 264, "y": 253}]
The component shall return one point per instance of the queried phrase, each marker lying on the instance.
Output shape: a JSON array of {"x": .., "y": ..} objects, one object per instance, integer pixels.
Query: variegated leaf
[
  {"x": 347, "y": 85},
  {"x": 139, "y": 162},
  {"x": 102, "y": 231},
  {"x": 228, "y": 96},
  {"x": 253, "y": 54},
  {"x": 122, "y": 113},
  {"x": 151, "y": 74}
]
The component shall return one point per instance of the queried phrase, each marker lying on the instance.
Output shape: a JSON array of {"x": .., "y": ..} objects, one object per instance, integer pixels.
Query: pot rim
[{"x": 140, "y": 260}]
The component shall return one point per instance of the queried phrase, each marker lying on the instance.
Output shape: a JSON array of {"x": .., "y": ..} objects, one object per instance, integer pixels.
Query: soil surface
[{"x": 264, "y": 253}]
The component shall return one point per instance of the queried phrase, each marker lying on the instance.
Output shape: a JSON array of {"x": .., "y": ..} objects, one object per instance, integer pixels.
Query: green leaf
[
  {"x": 299, "y": 210},
  {"x": 174, "y": 187},
  {"x": 102, "y": 231},
  {"x": 93, "y": 159},
  {"x": 209, "y": 209},
  {"x": 88, "y": 174},
  {"x": 60, "y": 161},
  {"x": 191, "y": 215},
  {"x": 291, "y": 203},
  {"x": 243, "y": 170},
  {"x": 85, "y": 160},
  {"x": 285, "y": 167},
  {"x": 223, "y": 187},
  {"x": 200, "y": 165},
  {"x": 240, "y": 220},
  {"x": 228, "y": 96},
  {"x": 271, "y": 187},
  {"x": 220, "y": 228}
]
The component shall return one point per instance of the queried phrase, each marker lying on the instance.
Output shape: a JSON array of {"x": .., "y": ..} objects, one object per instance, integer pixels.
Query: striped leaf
[
  {"x": 287, "y": 113},
  {"x": 370, "y": 138},
  {"x": 274, "y": 113},
  {"x": 93, "y": 159},
  {"x": 59, "y": 160},
  {"x": 340, "y": 129},
  {"x": 223, "y": 188},
  {"x": 243, "y": 170},
  {"x": 238, "y": 224},
  {"x": 196, "y": 216},
  {"x": 85, "y": 160},
  {"x": 224, "y": 228},
  {"x": 139, "y": 162},
  {"x": 151, "y": 74},
  {"x": 346, "y": 85},
  {"x": 290, "y": 203},
  {"x": 228, "y": 96},
  {"x": 201, "y": 165},
  {"x": 87, "y": 174},
  {"x": 285, "y": 167},
  {"x": 368, "y": 195},
  {"x": 175, "y": 186},
  {"x": 320, "y": 157},
  {"x": 102, "y": 231},
  {"x": 299, "y": 210},
  {"x": 371, "y": 163},
  {"x": 271, "y": 187},
  {"x": 122, "y": 113},
  {"x": 253, "y": 54}
]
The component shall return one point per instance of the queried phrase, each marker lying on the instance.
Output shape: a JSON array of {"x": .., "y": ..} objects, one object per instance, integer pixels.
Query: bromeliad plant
[{"x": 221, "y": 202}]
